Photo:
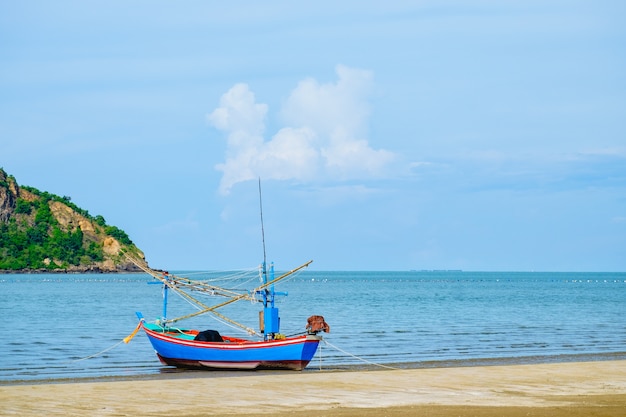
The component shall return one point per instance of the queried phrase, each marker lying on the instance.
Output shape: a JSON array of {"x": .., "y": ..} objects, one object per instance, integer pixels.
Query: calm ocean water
[{"x": 70, "y": 326}]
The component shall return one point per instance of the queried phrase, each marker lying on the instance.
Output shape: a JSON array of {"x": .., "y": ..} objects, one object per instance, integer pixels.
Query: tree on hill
[{"x": 42, "y": 231}]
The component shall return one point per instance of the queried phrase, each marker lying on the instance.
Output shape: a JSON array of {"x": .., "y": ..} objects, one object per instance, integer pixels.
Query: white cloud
[
  {"x": 334, "y": 107},
  {"x": 325, "y": 133},
  {"x": 241, "y": 116}
]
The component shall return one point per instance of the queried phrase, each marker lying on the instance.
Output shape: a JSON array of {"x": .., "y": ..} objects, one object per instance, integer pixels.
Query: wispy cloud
[
  {"x": 485, "y": 170},
  {"x": 324, "y": 134}
]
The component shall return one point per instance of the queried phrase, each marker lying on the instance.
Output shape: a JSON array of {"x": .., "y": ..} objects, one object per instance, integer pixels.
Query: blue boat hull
[{"x": 291, "y": 353}]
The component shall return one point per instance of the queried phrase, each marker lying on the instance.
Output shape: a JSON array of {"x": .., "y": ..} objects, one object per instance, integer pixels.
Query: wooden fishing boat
[
  {"x": 191, "y": 348},
  {"x": 180, "y": 349},
  {"x": 208, "y": 349}
]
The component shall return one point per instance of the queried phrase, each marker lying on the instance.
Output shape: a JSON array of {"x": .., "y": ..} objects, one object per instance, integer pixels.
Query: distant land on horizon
[{"x": 42, "y": 232}]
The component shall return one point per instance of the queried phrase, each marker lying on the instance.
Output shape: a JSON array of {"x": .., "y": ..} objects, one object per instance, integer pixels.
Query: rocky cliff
[{"x": 44, "y": 232}]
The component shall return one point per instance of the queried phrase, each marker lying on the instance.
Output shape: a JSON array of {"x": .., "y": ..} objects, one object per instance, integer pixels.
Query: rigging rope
[
  {"x": 174, "y": 283},
  {"x": 124, "y": 340},
  {"x": 236, "y": 274},
  {"x": 250, "y": 332},
  {"x": 234, "y": 299},
  {"x": 361, "y": 359},
  {"x": 130, "y": 336},
  {"x": 99, "y": 353}
]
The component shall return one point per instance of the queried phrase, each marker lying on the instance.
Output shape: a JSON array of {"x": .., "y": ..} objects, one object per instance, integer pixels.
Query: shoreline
[
  {"x": 555, "y": 389},
  {"x": 171, "y": 373}
]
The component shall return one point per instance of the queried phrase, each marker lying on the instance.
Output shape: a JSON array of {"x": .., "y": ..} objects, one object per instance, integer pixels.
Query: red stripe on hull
[{"x": 252, "y": 365}]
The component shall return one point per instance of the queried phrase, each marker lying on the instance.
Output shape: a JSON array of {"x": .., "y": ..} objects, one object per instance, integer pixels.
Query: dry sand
[{"x": 562, "y": 389}]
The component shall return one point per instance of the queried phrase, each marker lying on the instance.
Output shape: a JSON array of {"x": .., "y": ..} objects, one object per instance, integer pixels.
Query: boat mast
[
  {"x": 271, "y": 320},
  {"x": 264, "y": 270}
]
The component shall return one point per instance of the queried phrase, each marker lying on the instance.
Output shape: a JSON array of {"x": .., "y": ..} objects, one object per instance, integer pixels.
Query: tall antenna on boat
[{"x": 262, "y": 230}]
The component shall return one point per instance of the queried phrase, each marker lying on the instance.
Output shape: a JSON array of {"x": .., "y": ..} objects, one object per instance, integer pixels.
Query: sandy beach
[{"x": 558, "y": 389}]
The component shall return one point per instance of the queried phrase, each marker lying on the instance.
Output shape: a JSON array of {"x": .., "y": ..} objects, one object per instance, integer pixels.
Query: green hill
[{"x": 42, "y": 232}]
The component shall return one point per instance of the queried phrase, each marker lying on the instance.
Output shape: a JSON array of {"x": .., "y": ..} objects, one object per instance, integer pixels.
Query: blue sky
[{"x": 474, "y": 135}]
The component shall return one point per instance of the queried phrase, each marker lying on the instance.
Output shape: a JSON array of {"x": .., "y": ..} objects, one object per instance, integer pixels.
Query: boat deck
[{"x": 190, "y": 334}]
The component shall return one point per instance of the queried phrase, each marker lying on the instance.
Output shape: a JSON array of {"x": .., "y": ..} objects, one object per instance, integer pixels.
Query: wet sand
[{"x": 556, "y": 389}]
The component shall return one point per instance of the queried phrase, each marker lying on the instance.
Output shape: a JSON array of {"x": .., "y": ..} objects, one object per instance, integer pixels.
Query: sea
[{"x": 69, "y": 327}]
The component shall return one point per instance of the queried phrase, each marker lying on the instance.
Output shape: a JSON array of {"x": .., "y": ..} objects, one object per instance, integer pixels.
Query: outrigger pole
[{"x": 173, "y": 282}]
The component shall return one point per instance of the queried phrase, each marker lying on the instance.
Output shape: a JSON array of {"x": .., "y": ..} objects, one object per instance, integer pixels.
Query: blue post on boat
[
  {"x": 165, "y": 287},
  {"x": 166, "y": 277},
  {"x": 271, "y": 319},
  {"x": 270, "y": 313}
]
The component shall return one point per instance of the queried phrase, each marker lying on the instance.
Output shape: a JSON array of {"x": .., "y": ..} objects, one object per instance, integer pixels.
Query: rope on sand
[{"x": 361, "y": 359}]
